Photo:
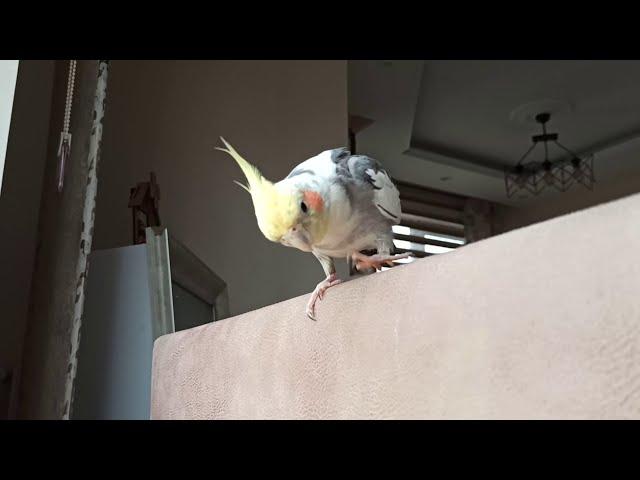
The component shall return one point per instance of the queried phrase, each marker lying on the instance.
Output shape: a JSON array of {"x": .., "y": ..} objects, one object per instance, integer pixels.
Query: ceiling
[{"x": 455, "y": 125}]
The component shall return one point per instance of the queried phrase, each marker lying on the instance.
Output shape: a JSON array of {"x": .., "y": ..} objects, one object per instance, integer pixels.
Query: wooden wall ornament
[{"x": 144, "y": 203}]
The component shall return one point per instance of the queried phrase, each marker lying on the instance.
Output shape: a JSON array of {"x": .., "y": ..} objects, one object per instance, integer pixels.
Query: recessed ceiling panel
[{"x": 480, "y": 111}]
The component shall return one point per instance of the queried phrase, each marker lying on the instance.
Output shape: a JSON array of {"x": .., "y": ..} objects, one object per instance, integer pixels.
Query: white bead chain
[
  {"x": 70, "y": 84},
  {"x": 64, "y": 148}
]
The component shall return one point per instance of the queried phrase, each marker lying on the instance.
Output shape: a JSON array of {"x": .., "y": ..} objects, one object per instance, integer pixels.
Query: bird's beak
[{"x": 298, "y": 237}]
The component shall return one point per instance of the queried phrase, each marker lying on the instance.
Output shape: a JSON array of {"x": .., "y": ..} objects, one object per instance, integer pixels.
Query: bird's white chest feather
[{"x": 339, "y": 240}]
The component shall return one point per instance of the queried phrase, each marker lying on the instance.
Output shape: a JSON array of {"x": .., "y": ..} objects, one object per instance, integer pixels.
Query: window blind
[{"x": 432, "y": 222}]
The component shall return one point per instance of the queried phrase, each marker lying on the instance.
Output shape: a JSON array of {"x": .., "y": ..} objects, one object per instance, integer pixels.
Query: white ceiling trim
[{"x": 471, "y": 165}]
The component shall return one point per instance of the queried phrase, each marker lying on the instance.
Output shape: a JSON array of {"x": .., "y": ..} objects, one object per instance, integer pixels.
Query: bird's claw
[
  {"x": 377, "y": 261},
  {"x": 319, "y": 292}
]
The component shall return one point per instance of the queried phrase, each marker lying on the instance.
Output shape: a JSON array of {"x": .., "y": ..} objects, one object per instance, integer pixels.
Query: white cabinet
[{"x": 134, "y": 295}]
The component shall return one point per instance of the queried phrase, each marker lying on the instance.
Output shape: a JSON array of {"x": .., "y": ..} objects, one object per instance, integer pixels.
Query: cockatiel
[{"x": 333, "y": 205}]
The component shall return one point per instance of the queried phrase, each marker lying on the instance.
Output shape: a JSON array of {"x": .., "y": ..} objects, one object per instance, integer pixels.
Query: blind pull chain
[{"x": 64, "y": 147}]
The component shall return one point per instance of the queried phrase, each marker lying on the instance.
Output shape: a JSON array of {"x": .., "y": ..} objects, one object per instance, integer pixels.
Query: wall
[
  {"x": 167, "y": 116},
  {"x": 20, "y": 204},
  {"x": 509, "y": 218}
]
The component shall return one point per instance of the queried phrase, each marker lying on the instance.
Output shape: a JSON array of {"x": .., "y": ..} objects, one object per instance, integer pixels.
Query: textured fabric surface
[{"x": 542, "y": 322}]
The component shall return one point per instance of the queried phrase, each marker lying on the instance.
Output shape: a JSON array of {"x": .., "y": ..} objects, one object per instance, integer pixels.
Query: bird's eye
[{"x": 303, "y": 207}]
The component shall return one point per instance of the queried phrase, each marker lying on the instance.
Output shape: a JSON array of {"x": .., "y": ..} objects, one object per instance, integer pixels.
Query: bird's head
[{"x": 286, "y": 213}]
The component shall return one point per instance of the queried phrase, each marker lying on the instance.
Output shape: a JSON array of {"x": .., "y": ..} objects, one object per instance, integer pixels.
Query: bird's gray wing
[{"x": 367, "y": 172}]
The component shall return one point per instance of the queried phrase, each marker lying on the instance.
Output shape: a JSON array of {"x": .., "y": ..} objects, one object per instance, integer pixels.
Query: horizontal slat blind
[
  {"x": 430, "y": 197},
  {"x": 421, "y": 209},
  {"x": 433, "y": 225},
  {"x": 432, "y": 222}
]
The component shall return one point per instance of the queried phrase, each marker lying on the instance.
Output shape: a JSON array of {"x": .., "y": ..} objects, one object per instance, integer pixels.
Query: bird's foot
[
  {"x": 364, "y": 262},
  {"x": 318, "y": 293}
]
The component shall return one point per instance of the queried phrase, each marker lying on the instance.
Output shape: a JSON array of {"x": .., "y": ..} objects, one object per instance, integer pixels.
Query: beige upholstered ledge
[{"x": 542, "y": 322}]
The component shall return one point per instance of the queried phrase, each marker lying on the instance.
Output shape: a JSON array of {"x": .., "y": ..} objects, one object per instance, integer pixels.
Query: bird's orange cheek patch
[{"x": 314, "y": 200}]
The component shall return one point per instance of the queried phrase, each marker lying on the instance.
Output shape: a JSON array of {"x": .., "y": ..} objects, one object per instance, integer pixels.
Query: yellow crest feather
[{"x": 276, "y": 210}]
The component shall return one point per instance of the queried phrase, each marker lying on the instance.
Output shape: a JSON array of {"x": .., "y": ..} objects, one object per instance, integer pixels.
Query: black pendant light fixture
[{"x": 535, "y": 176}]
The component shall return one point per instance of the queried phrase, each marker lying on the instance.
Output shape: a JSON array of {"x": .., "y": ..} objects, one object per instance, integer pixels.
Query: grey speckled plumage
[{"x": 361, "y": 201}]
